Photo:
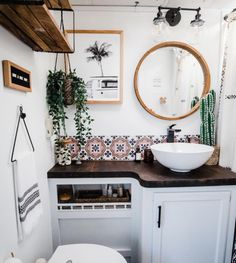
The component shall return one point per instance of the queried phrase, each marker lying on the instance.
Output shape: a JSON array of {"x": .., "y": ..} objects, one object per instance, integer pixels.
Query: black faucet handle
[
  {"x": 177, "y": 130},
  {"x": 171, "y": 126}
]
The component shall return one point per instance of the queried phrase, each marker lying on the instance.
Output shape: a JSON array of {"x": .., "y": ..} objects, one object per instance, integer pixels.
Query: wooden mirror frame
[{"x": 200, "y": 59}]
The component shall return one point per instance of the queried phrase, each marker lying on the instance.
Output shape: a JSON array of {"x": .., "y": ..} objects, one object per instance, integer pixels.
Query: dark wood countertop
[{"x": 148, "y": 175}]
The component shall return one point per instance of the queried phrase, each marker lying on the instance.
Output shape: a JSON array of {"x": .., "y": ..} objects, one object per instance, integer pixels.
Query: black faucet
[{"x": 171, "y": 133}]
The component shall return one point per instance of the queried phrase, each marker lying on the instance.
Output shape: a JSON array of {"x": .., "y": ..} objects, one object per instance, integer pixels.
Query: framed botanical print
[{"x": 98, "y": 59}]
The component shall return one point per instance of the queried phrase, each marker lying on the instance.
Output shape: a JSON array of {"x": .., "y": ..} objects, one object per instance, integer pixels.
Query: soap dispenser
[{"x": 138, "y": 155}]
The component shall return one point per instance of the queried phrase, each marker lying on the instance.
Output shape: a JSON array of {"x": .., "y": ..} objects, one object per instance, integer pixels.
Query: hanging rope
[
  {"x": 63, "y": 30},
  {"x": 66, "y": 55}
]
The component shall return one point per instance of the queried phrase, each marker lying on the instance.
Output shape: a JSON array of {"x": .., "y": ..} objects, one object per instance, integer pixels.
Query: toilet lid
[{"x": 86, "y": 253}]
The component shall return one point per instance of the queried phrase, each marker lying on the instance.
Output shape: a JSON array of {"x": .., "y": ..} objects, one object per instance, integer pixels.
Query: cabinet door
[{"x": 190, "y": 227}]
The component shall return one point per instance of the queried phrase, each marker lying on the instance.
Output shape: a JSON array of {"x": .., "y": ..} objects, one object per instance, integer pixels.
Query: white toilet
[{"x": 86, "y": 253}]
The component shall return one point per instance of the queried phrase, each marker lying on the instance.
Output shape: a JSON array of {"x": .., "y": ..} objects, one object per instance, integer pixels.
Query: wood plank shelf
[
  {"x": 35, "y": 26},
  {"x": 51, "y": 4},
  {"x": 58, "y": 5}
]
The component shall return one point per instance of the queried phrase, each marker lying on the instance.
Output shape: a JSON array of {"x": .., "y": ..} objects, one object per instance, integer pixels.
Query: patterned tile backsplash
[{"x": 122, "y": 148}]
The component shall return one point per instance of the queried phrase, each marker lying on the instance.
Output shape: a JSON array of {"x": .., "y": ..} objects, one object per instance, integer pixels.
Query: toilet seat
[{"x": 86, "y": 253}]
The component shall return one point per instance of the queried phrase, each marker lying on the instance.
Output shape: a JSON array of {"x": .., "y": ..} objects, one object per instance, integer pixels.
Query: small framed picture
[
  {"x": 98, "y": 59},
  {"x": 16, "y": 77}
]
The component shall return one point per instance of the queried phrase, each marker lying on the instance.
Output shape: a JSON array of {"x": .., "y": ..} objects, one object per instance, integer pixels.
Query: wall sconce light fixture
[
  {"x": 231, "y": 17},
  {"x": 159, "y": 19},
  {"x": 173, "y": 16}
]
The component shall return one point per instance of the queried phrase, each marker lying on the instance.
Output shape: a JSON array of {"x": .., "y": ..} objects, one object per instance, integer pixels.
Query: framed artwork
[
  {"x": 98, "y": 59},
  {"x": 16, "y": 77}
]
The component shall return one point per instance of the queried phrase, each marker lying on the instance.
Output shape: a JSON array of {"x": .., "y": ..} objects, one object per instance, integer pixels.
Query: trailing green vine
[
  {"x": 82, "y": 118},
  {"x": 55, "y": 100},
  {"x": 56, "y": 104}
]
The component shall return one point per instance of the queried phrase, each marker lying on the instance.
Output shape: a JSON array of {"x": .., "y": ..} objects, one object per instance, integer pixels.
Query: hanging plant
[
  {"x": 63, "y": 90},
  {"x": 57, "y": 103},
  {"x": 82, "y": 118}
]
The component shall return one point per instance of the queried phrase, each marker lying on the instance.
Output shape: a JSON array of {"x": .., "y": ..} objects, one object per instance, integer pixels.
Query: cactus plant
[
  {"x": 194, "y": 101},
  {"x": 207, "y": 128}
]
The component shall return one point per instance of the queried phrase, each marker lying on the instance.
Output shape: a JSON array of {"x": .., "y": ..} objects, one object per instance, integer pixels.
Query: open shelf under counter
[
  {"x": 92, "y": 200},
  {"x": 83, "y": 212}
]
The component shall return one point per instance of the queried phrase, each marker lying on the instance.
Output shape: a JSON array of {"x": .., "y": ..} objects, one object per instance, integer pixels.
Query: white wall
[
  {"x": 38, "y": 244},
  {"x": 130, "y": 118}
]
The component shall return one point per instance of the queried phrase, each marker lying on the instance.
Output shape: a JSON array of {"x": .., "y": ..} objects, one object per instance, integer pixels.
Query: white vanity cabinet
[
  {"x": 168, "y": 218},
  {"x": 190, "y": 227}
]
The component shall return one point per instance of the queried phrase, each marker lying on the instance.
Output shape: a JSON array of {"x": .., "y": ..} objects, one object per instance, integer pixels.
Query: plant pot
[
  {"x": 68, "y": 92},
  {"x": 215, "y": 156},
  {"x": 63, "y": 152},
  {"x": 74, "y": 149}
]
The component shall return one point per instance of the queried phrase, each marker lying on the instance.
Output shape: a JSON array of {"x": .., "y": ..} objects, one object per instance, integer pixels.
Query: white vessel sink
[{"x": 182, "y": 157}]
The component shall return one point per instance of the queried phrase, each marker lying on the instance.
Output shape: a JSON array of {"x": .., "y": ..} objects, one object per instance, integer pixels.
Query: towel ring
[{"x": 22, "y": 116}]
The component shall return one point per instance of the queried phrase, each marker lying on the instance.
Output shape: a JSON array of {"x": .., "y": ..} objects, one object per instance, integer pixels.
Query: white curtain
[{"x": 227, "y": 120}]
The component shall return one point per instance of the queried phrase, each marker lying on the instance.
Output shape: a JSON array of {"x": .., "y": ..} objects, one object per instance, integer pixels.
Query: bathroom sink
[{"x": 182, "y": 157}]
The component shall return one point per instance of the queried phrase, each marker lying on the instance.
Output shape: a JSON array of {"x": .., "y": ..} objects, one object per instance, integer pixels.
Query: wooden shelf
[
  {"x": 58, "y": 4},
  {"x": 35, "y": 26},
  {"x": 51, "y": 4}
]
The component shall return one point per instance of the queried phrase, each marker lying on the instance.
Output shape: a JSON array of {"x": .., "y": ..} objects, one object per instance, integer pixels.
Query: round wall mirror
[{"x": 170, "y": 79}]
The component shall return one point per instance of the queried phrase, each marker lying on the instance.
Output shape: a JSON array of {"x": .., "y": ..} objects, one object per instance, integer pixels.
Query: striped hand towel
[{"x": 28, "y": 198}]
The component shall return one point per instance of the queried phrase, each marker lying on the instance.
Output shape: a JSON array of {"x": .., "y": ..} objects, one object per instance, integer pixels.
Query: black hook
[
  {"x": 21, "y": 116},
  {"x": 136, "y": 3}
]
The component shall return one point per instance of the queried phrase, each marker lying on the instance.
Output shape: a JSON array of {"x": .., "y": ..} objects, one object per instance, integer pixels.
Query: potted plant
[
  {"x": 208, "y": 125},
  {"x": 57, "y": 84}
]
